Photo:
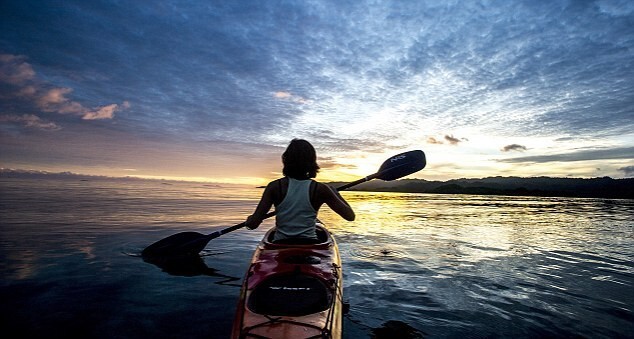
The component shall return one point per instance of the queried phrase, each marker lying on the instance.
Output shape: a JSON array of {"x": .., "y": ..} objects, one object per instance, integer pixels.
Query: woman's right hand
[{"x": 251, "y": 223}]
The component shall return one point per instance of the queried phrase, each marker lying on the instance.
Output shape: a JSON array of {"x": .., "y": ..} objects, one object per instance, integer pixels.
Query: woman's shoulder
[
  {"x": 276, "y": 189},
  {"x": 277, "y": 182},
  {"x": 322, "y": 188}
]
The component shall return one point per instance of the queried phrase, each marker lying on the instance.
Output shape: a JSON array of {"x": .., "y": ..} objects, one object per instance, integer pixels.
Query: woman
[{"x": 297, "y": 197}]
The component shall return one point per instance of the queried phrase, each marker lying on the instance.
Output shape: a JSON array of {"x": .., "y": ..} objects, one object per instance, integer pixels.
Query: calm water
[{"x": 415, "y": 265}]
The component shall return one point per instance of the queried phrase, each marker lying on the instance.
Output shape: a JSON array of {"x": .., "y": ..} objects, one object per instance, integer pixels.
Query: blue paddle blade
[{"x": 402, "y": 165}]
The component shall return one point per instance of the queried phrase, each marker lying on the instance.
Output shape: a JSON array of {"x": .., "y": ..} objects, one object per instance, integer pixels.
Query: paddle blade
[
  {"x": 184, "y": 243},
  {"x": 402, "y": 165}
]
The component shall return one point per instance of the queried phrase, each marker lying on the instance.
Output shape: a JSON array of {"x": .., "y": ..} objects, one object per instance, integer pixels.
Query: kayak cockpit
[
  {"x": 290, "y": 295},
  {"x": 324, "y": 240}
]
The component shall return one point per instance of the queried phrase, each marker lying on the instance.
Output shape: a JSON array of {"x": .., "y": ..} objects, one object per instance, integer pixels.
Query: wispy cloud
[
  {"x": 14, "y": 70},
  {"x": 106, "y": 112},
  {"x": 450, "y": 139},
  {"x": 582, "y": 155},
  {"x": 30, "y": 121},
  {"x": 290, "y": 97},
  {"x": 453, "y": 140},
  {"x": 22, "y": 85},
  {"x": 628, "y": 170},
  {"x": 434, "y": 141},
  {"x": 514, "y": 147}
]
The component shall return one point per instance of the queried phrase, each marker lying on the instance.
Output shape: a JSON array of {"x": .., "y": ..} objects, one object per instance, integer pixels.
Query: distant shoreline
[
  {"x": 28, "y": 174},
  {"x": 604, "y": 187}
]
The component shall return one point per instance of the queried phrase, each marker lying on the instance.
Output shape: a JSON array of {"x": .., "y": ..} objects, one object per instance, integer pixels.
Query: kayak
[{"x": 292, "y": 291}]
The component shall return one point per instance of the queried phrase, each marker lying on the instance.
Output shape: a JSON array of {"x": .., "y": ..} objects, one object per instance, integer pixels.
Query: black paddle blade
[
  {"x": 179, "y": 244},
  {"x": 402, "y": 165}
]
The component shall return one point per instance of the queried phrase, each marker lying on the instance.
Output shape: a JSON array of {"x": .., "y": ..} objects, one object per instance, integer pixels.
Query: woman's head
[{"x": 300, "y": 160}]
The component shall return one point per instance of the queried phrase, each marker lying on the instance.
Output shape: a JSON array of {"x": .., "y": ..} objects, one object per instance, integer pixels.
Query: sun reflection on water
[{"x": 466, "y": 228}]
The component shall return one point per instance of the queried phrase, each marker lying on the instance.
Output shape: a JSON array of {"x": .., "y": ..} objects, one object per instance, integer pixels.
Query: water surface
[{"x": 417, "y": 265}]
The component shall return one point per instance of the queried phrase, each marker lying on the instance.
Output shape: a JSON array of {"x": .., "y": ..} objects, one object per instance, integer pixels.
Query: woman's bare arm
[
  {"x": 336, "y": 202},
  {"x": 254, "y": 220}
]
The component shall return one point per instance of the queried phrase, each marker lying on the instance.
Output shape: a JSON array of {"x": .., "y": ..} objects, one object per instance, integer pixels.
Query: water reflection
[
  {"x": 20, "y": 265},
  {"x": 189, "y": 266},
  {"x": 393, "y": 329}
]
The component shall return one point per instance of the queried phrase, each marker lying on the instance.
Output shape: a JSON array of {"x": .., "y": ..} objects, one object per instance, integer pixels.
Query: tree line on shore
[{"x": 604, "y": 187}]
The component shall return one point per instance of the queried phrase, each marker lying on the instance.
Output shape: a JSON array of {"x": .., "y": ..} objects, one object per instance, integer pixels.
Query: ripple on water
[{"x": 381, "y": 253}]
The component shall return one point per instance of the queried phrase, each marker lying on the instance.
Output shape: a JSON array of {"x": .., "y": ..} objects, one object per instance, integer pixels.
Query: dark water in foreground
[{"x": 415, "y": 265}]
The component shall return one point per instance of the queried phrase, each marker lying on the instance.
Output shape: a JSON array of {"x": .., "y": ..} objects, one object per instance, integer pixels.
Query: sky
[{"x": 215, "y": 90}]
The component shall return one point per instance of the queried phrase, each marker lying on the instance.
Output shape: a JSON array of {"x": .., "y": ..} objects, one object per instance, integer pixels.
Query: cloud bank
[
  {"x": 582, "y": 155},
  {"x": 20, "y": 86},
  {"x": 30, "y": 121}
]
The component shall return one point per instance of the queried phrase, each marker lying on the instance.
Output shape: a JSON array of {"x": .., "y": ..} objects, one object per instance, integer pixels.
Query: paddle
[{"x": 191, "y": 243}]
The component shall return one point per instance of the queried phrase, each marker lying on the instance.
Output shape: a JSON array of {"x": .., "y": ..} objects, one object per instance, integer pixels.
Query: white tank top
[{"x": 296, "y": 217}]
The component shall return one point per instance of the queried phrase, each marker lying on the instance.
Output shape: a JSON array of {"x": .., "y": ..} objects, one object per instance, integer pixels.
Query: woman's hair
[{"x": 300, "y": 160}]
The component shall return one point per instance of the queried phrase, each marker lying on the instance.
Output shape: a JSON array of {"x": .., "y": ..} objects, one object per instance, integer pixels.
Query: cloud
[
  {"x": 54, "y": 100},
  {"x": 106, "y": 112},
  {"x": 434, "y": 141},
  {"x": 513, "y": 147},
  {"x": 449, "y": 138},
  {"x": 23, "y": 85},
  {"x": 584, "y": 155},
  {"x": 282, "y": 95},
  {"x": 453, "y": 140},
  {"x": 30, "y": 121},
  {"x": 14, "y": 70},
  {"x": 628, "y": 170},
  {"x": 290, "y": 97}
]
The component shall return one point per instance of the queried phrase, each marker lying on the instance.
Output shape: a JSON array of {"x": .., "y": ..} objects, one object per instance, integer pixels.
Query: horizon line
[{"x": 216, "y": 181}]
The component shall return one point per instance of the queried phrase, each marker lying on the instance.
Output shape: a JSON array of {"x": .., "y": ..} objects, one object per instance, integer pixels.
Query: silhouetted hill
[
  {"x": 539, "y": 186},
  {"x": 34, "y": 174}
]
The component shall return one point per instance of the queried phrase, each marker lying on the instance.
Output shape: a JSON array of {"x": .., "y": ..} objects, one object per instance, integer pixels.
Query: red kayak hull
[{"x": 292, "y": 291}]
